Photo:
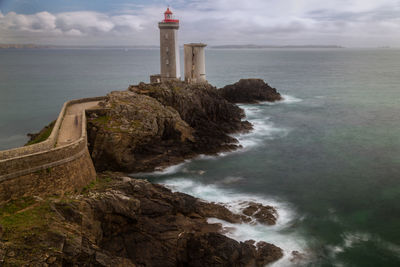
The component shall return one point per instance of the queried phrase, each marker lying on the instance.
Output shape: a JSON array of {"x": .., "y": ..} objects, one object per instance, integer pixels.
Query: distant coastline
[
  {"x": 247, "y": 46},
  {"x": 35, "y": 46},
  {"x": 227, "y": 46},
  {"x": 252, "y": 46}
]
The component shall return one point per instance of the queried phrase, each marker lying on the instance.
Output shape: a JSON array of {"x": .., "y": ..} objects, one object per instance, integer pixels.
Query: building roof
[{"x": 168, "y": 11}]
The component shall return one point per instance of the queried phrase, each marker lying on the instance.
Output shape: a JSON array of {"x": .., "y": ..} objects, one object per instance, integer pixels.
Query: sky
[{"x": 350, "y": 23}]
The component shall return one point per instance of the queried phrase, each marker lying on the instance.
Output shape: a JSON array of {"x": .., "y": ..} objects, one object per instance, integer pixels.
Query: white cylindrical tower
[
  {"x": 169, "y": 49},
  {"x": 195, "y": 63}
]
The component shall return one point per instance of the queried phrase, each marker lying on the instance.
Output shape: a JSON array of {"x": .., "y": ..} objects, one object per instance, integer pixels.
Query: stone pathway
[{"x": 71, "y": 126}]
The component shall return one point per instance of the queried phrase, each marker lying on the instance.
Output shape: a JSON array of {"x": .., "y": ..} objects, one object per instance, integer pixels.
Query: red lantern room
[{"x": 168, "y": 16}]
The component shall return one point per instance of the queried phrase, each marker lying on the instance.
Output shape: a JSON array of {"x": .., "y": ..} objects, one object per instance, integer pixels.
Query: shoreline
[{"x": 166, "y": 124}]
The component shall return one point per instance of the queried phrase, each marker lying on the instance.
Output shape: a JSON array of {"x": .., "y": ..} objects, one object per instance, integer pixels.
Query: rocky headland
[
  {"x": 156, "y": 125},
  {"x": 122, "y": 221}
]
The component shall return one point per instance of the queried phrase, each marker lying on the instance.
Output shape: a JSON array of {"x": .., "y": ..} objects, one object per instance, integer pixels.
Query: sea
[{"x": 327, "y": 156}]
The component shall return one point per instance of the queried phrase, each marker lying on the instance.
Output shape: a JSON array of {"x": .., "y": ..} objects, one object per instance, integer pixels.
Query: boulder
[
  {"x": 135, "y": 132},
  {"x": 250, "y": 91},
  {"x": 261, "y": 213},
  {"x": 204, "y": 109}
]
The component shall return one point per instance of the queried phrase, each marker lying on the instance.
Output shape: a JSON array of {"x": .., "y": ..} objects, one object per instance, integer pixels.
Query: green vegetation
[
  {"x": 102, "y": 119},
  {"x": 23, "y": 217},
  {"x": 136, "y": 123},
  {"x": 16, "y": 205},
  {"x": 26, "y": 224},
  {"x": 43, "y": 134},
  {"x": 176, "y": 89},
  {"x": 101, "y": 182}
]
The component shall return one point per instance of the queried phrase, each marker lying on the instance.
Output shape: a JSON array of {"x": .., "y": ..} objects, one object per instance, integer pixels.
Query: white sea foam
[
  {"x": 231, "y": 180},
  {"x": 277, "y": 234},
  {"x": 263, "y": 129},
  {"x": 166, "y": 171},
  {"x": 286, "y": 99},
  {"x": 351, "y": 239}
]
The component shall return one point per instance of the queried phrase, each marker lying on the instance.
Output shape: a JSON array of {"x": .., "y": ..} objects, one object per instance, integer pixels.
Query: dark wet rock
[
  {"x": 250, "y": 242},
  {"x": 262, "y": 214},
  {"x": 204, "y": 109},
  {"x": 267, "y": 253},
  {"x": 152, "y": 226},
  {"x": 129, "y": 222},
  {"x": 250, "y": 91},
  {"x": 137, "y": 133},
  {"x": 151, "y": 126},
  {"x": 297, "y": 257}
]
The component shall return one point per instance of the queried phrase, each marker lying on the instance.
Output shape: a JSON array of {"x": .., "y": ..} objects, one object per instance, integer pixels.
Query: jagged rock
[
  {"x": 129, "y": 222},
  {"x": 151, "y": 125},
  {"x": 151, "y": 226},
  {"x": 298, "y": 257},
  {"x": 249, "y": 91},
  {"x": 202, "y": 107},
  {"x": 214, "y": 249},
  {"x": 267, "y": 253},
  {"x": 137, "y": 133},
  {"x": 262, "y": 214}
]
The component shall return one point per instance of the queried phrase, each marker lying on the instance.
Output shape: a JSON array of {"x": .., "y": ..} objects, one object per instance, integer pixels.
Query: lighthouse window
[
  {"x": 167, "y": 49},
  {"x": 166, "y": 36},
  {"x": 167, "y": 62}
]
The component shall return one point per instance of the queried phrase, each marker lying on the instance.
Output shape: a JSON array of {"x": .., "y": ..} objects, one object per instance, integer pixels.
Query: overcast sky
[{"x": 352, "y": 23}]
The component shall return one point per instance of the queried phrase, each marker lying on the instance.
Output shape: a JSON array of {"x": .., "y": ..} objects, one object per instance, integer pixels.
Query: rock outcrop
[
  {"x": 262, "y": 214},
  {"x": 204, "y": 109},
  {"x": 159, "y": 125},
  {"x": 250, "y": 91},
  {"x": 135, "y": 132},
  {"x": 120, "y": 221}
]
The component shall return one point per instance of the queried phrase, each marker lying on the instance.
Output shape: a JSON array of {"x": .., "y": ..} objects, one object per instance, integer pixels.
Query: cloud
[
  {"x": 85, "y": 22},
  {"x": 346, "y": 22}
]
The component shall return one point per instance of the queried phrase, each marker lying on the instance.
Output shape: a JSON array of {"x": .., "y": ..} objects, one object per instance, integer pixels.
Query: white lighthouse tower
[{"x": 169, "y": 49}]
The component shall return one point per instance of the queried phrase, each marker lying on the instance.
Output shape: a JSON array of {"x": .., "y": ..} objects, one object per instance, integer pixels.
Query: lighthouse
[
  {"x": 194, "y": 55},
  {"x": 169, "y": 49}
]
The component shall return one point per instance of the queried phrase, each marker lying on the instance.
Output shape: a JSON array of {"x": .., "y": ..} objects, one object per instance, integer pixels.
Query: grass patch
[
  {"x": 23, "y": 217},
  {"x": 43, "y": 134},
  {"x": 101, "y": 182},
  {"x": 28, "y": 231},
  {"x": 16, "y": 205},
  {"x": 102, "y": 119}
]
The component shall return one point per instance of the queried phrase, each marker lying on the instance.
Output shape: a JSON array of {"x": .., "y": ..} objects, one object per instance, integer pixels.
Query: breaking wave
[
  {"x": 281, "y": 234},
  {"x": 352, "y": 239},
  {"x": 286, "y": 99},
  {"x": 263, "y": 128}
]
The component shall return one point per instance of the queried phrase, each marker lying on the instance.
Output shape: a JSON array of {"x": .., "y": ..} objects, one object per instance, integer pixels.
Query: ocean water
[{"x": 327, "y": 156}]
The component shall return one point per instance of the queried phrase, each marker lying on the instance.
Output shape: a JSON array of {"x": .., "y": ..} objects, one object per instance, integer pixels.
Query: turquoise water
[{"x": 328, "y": 156}]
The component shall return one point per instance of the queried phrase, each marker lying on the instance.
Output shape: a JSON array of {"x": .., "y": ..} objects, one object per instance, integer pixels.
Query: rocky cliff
[
  {"x": 135, "y": 132},
  {"x": 159, "y": 125},
  {"x": 250, "y": 91},
  {"x": 120, "y": 221}
]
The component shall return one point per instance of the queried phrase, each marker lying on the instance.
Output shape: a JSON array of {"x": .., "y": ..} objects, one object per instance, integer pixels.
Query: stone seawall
[
  {"x": 65, "y": 177},
  {"x": 47, "y": 169},
  {"x": 50, "y": 142}
]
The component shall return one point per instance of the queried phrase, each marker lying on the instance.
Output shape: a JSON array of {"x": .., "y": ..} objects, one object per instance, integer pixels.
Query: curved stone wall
[
  {"x": 55, "y": 169},
  {"x": 51, "y": 140}
]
